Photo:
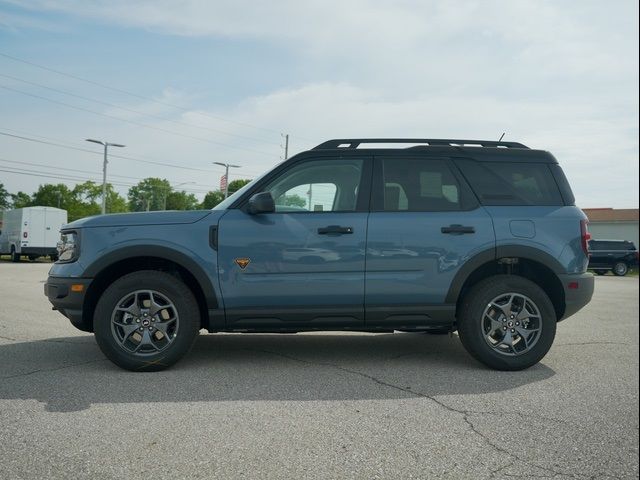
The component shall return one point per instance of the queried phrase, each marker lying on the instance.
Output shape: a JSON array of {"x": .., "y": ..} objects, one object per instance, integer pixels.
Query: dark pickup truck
[{"x": 619, "y": 256}]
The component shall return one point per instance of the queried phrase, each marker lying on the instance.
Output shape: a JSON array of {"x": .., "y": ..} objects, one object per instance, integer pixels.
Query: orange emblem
[{"x": 243, "y": 262}]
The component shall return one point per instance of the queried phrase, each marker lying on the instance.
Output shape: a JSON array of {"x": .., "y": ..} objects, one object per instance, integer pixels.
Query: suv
[
  {"x": 619, "y": 256},
  {"x": 355, "y": 235}
]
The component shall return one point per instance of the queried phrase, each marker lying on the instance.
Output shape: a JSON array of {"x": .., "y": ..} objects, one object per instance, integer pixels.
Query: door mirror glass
[{"x": 261, "y": 203}]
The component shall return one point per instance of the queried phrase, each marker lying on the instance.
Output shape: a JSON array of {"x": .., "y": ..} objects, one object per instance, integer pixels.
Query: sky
[{"x": 186, "y": 83}]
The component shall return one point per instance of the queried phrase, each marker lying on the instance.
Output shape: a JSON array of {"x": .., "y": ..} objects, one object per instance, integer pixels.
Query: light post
[
  {"x": 104, "y": 169},
  {"x": 226, "y": 175}
]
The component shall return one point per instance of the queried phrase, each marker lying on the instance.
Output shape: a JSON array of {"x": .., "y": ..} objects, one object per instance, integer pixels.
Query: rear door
[
  {"x": 302, "y": 266},
  {"x": 424, "y": 224}
]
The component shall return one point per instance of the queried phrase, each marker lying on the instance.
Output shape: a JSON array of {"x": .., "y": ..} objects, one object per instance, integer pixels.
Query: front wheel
[
  {"x": 15, "y": 256},
  {"x": 507, "y": 322},
  {"x": 620, "y": 269},
  {"x": 146, "y": 321}
]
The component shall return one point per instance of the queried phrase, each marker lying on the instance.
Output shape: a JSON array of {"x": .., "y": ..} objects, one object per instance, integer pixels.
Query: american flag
[{"x": 223, "y": 183}]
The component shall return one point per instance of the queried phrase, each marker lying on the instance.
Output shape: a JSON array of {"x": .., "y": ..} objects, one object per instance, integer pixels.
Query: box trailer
[{"x": 31, "y": 231}]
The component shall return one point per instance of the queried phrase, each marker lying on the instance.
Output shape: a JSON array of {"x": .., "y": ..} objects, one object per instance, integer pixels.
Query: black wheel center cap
[
  {"x": 146, "y": 322},
  {"x": 510, "y": 324}
]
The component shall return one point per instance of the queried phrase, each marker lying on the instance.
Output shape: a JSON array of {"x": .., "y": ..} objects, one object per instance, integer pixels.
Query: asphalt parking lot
[{"x": 316, "y": 405}]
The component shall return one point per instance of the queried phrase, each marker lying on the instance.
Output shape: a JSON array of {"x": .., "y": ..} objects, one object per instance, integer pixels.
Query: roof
[{"x": 611, "y": 214}]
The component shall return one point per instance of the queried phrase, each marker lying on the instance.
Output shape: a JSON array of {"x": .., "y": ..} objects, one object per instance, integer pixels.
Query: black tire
[
  {"x": 470, "y": 322},
  {"x": 620, "y": 269},
  {"x": 168, "y": 286},
  {"x": 600, "y": 272},
  {"x": 15, "y": 256}
]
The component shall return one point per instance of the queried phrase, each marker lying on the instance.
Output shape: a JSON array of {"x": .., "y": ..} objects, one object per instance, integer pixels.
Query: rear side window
[
  {"x": 511, "y": 183},
  {"x": 421, "y": 185}
]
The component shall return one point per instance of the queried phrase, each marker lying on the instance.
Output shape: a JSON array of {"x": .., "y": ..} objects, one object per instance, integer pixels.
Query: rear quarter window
[{"x": 511, "y": 183}]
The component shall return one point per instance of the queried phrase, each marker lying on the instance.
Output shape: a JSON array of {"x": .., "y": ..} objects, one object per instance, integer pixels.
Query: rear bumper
[
  {"x": 578, "y": 290},
  {"x": 67, "y": 296}
]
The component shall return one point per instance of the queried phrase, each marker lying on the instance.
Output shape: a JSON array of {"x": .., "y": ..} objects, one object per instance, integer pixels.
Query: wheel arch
[
  {"x": 148, "y": 257},
  {"x": 527, "y": 262}
]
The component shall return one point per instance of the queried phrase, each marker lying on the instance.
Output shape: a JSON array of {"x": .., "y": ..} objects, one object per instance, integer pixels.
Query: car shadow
[{"x": 70, "y": 374}]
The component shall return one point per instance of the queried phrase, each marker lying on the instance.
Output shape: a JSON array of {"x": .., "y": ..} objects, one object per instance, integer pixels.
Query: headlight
[{"x": 68, "y": 247}]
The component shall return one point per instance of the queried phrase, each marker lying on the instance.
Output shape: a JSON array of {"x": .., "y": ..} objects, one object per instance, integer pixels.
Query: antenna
[{"x": 501, "y": 136}]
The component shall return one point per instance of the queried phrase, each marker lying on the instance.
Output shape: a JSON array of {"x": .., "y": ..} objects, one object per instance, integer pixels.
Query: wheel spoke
[
  {"x": 146, "y": 340},
  {"x": 127, "y": 330},
  {"x": 507, "y": 340},
  {"x": 163, "y": 327},
  {"x": 133, "y": 309}
]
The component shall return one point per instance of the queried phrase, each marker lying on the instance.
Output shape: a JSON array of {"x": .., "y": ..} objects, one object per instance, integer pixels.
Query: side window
[
  {"x": 318, "y": 186},
  {"x": 418, "y": 184},
  {"x": 512, "y": 183}
]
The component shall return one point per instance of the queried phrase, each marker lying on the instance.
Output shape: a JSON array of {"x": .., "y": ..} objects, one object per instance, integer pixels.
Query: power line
[
  {"x": 83, "y": 171},
  {"x": 137, "y": 112},
  {"x": 133, "y": 122},
  {"x": 54, "y": 143},
  {"x": 73, "y": 178},
  {"x": 142, "y": 97}
]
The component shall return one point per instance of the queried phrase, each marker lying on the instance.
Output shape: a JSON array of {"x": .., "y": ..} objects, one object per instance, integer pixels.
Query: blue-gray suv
[{"x": 373, "y": 235}]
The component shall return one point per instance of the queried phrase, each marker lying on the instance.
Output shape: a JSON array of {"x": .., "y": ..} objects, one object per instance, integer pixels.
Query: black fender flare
[
  {"x": 489, "y": 255},
  {"x": 159, "y": 251}
]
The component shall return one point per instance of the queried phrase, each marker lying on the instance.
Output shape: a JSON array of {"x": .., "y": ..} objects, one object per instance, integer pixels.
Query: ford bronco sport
[{"x": 374, "y": 235}]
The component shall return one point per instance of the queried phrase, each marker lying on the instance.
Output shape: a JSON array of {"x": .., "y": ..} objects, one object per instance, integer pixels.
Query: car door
[
  {"x": 424, "y": 224},
  {"x": 302, "y": 266}
]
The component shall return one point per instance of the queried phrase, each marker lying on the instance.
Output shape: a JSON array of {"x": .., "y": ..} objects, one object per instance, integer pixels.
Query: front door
[
  {"x": 424, "y": 224},
  {"x": 302, "y": 266}
]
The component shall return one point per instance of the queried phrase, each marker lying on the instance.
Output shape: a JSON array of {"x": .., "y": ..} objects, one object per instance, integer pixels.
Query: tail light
[{"x": 585, "y": 236}]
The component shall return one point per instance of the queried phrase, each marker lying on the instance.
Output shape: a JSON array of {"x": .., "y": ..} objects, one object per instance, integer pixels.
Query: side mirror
[{"x": 261, "y": 203}]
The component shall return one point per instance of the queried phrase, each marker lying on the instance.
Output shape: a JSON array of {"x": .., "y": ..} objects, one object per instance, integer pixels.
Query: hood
[{"x": 142, "y": 218}]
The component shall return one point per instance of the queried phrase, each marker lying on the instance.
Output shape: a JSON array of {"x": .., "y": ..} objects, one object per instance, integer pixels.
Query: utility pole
[
  {"x": 104, "y": 169},
  {"x": 226, "y": 175}
]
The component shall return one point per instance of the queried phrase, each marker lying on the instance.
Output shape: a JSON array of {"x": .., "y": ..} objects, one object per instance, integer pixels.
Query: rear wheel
[
  {"x": 507, "y": 322},
  {"x": 146, "y": 321},
  {"x": 620, "y": 269},
  {"x": 15, "y": 256}
]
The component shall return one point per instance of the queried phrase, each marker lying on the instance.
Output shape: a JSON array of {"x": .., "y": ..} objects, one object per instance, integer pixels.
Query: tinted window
[
  {"x": 425, "y": 185},
  {"x": 511, "y": 183},
  {"x": 607, "y": 245},
  {"x": 317, "y": 186}
]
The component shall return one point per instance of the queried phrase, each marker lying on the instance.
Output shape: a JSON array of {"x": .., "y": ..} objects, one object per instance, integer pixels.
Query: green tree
[
  {"x": 50, "y": 195},
  {"x": 149, "y": 194},
  {"x": 212, "y": 199},
  {"x": 88, "y": 200},
  {"x": 4, "y": 198},
  {"x": 20, "y": 200},
  {"x": 294, "y": 200},
  {"x": 237, "y": 185},
  {"x": 181, "y": 201}
]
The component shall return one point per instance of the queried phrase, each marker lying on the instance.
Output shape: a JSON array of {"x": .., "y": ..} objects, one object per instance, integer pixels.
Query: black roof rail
[{"x": 355, "y": 142}]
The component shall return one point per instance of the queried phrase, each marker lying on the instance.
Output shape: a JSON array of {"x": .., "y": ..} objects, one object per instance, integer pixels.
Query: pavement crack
[
  {"x": 464, "y": 413},
  {"x": 32, "y": 372}
]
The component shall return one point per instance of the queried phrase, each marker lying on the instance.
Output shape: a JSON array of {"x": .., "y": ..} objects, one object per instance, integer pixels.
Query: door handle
[
  {"x": 334, "y": 230},
  {"x": 457, "y": 230}
]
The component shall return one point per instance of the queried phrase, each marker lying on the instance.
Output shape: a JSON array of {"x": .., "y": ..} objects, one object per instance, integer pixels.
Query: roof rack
[{"x": 422, "y": 142}]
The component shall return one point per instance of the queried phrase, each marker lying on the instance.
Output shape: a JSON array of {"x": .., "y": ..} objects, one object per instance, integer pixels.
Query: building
[{"x": 613, "y": 223}]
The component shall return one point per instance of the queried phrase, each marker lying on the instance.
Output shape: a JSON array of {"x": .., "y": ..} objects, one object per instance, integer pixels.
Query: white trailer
[{"x": 31, "y": 232}]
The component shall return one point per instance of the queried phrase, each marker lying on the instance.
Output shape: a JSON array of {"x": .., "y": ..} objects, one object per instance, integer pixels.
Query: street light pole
[
  {"x": 226, "y": 175},
  {"x": 104, "y": 169}
]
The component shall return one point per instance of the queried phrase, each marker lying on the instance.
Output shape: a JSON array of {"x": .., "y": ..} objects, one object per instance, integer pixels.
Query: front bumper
[
  {"x": 578, "y": 290},
  {"x": 67, "y": 296}
]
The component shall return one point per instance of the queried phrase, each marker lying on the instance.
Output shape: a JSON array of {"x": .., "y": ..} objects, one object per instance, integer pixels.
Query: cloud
[{"x": 561, "y": 76}]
